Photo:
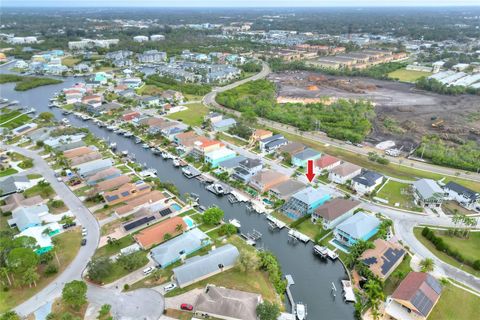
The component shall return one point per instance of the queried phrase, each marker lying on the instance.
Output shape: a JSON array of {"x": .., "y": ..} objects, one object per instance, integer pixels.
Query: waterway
[{"x": 313, "y": 277}]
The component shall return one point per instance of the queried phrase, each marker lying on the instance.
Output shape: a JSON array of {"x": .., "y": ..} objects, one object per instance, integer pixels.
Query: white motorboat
[
  {"x": 138, "y": 140},
  {"x": 128, "y": 134},
  {"x": 111, "y": 128},
  {"x": 176, "y": 162},
  {"x": 301, "y": 311},
  {"x": 65, "y": 121},
  {"x": 235, "y": 222},
  {"x": 125, "y": 152},
  {"x": 145, "y": 146},
  {"x": 113, "y": 145}
]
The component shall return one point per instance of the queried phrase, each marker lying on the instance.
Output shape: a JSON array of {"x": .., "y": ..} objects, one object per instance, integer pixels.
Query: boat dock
[
  {"x": 295, "y": 235},
  {"x": 290, "y": 282},
  {"x": 254, "y": 235},
  {"x": 275, "y": 223},
  {"x": 240, "y": 197},
  {"x": 348, "y": 293},
  {"x": 191, "y": 172},
  {"x": 325, "y": 252}
]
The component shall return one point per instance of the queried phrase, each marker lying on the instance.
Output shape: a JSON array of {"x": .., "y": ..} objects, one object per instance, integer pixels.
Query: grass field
[
  {"x": 408, "y": 75},
  {"x": 443, "y": 256},
  {"x": 70, "y": 61},
  {"x": 397, "y": 192},
  {"x": 111, "y": 249},
  {"x": 311, "y": 230},
  {"x": 455, "y": 304},
  {"x": 470, "y": 248},
  {"x": 7, "y": 172},
  {"x": 8, "y": 120},
  {"x": 232, "y": 140},
  {"x": 193, "y": 116},
  {"x": 69, "y": 243}
]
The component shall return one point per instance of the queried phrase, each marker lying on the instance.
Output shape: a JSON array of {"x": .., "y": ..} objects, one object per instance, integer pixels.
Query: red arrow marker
[{"x": 310, "y": 175}]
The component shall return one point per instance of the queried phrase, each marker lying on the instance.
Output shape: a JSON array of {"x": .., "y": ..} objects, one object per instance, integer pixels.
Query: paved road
[
  {"x": 146, "y": 304},
  {"x": 84, "y": 217}
]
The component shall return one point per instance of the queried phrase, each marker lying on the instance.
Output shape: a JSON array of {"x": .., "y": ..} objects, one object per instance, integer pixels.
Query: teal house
[
  {"x": 219, "y": 155},
  {"x": 360, "y": 226},
  {"x": 301, "y": 158}
]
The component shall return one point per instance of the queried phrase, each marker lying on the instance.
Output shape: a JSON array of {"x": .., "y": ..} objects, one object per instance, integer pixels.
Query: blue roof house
[
  {"x": 360, "y": 226},
  {"x": 27, "y": 217},
  {"x": 304, "y": 202},
  {"x": 301, "y": 158},
  {"x": 90, "y": 168},
  {"x": 219, "y": 155}
]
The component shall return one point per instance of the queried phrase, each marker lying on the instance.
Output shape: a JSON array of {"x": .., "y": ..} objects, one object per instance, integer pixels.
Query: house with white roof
[{"x": 427, "y": 193}]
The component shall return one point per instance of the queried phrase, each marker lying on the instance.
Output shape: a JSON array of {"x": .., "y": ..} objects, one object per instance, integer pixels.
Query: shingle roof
[
  {"x": 200, "y": 266},
  {"x": 367, "y": 178},
  {"x": 251, "y": 163},
  {"x": 288, "y": 187},
  {"x": 359, "y": 225},
  {"x": 306, "y": 154},
  {"x": 468, "y": 193},
  {"x": 345, "y": 169},
  {"x": 381, "y": 259},
  {"x": 421, "y": 289},
  {"x": 231, "y": 163},
  {"x": 113, "y": 183},
  {"x": 336, "y": 208}
]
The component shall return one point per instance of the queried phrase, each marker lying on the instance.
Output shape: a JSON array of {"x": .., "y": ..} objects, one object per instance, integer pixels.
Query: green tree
[
  {"x": 374, "y": 291},
  {"x": 167, "y": 236},
  {"x": 132, "y": 261},
  {"x": 268, "y": 311},
  {"x": 427, "y": 265},
  {"x": 30, "y": 276},
  {"x": 99, "y": 268},
  {"x": 212, "y": 216},
  {"x": 46, "y": 116},
  {"x": 10, "y": 315},
  {"x": 74, "y": 294},
  {"x": 227, "y": 229},
  {"x": 21, "y": 259},
  {"x": 249, "y": 261}
]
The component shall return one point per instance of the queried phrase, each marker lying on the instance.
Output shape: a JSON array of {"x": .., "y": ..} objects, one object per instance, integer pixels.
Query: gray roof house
[
  {"x": 202, "y": 267},
  {"x": 230, "y": 164},
  {"x": 13, "y": 184},
  {"x": 90, "y": 168},
  {"x": 287, "y": 188},
  {"x": 247, "y": 169},
  {"x": 464, "y": 196},
  {"x": 27, "y": 217},
  {"x": 228, "y": 304},
  {"x": 428, "y": 193},
  {"x": 360, "y": 226},
  {"x": 173, "y": 250}
]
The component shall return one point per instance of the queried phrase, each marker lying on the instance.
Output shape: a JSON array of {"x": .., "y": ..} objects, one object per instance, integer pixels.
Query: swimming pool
[
  {"x": 175, "y": 207},
  {"x": 189, "y": 221}
]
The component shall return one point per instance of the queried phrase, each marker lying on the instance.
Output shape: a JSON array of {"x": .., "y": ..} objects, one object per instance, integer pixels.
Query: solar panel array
[
  {"x": 434, "y": 284},
  {"x": 165, "y": 212},
  {"x": 137, "y": 223},
  {"x": 125, "y": 193},
  {"x": 390, "y": 258},
  {"x": 370, "y": 261},
  {"x": 111, "y": 198},
  {"x": 422, "y": 303}
]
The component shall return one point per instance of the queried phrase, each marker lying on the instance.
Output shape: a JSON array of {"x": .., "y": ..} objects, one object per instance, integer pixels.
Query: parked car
[
  {"x": 169, "y": 287},
  {"x": 75, "y": 182},
  {"x": 69, "y": 225},
  {"x": 148, "y": 270},
  {"x": 186, "y": 306},
  {"x": 84, "y": 231},
  {"x": 84, "y": 242}
]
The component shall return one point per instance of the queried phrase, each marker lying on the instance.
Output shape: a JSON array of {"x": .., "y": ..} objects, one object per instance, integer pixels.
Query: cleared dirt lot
[{"x": 404, "y": 114}]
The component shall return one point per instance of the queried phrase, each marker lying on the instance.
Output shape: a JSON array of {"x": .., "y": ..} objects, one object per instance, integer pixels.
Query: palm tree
[
  {"x": 178, "y": 227},
  {"x": 427, "y": 265},
  {"x": 375, "y": 294}
]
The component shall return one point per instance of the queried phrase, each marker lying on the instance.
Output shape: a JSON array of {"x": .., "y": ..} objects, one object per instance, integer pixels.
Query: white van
[{"x": 148, "y": 270}]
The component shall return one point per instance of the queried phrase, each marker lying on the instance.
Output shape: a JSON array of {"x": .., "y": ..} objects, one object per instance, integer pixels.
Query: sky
[{"x": 236, "y": 3}]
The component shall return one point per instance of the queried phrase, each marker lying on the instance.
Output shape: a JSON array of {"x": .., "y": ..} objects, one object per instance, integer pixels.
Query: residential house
[
  {"x": 105, "y": 174},
  {"x": 110, "y": 107},
  {"x": 27, "y": 217},
  {"x": 344, "y": 172},
  {"x": 427, "y": 193},
  {"x": 223, "y": 125},
  {"x": 304, "y": 202},
  {"x": 290, "y": 149},
  {"x": 43, "y": 241},
  {"x": 219, "y": 155},
  {"x": 326, "y": 163},
  {"x": 301, "y": 158},
  {"x": 267, "y": 179},
  {"x": 202, "y": 267},
  {"x": 287, "y": 188},
  {"x": 152, "y": 56},
  {"x": 272, "y": 143},
  {"x": 366, "y": 182},
  {"x": 14, "y": 184},
  {"x": 171, "y": 131},
  {"x": 126, "y": 192},
  {"x": 93, "y": 100},
  {"x": 76, "y": 152},
  {"x": 335, "y": 211},
  {"x": 76, "y": 161},
  {"x": 66, "y": 142},
  {"x": 360, "y": 226},
  {"x": 155, "y": 234},
  {"x": 112, "y": 184},
  {"x": 260, "y": 134},
  {"x": 179, "y": 247},
  {"x": 24, "y": 129},
  {"x": 247, "y": 169},
  {"x": 132, "y": 83},
  {"x": 88, "y": 169},
  {"x": 384, "y": 258},
  {"x": 16, "y": 200},
  {"x": 465, "y": 197},
  {"x": 213, "y": 117},
  {"x": 228, "y": 304},
  {"x": 172, "y": 96},
  {"x": 153, "y": 201},
  {"x": 414, "y": 298},
  {"x": 230, "y": 165},
  {"x": 150, "y": 101},
  {"x": 129, "y": 116},
  {"x": 204, "y": 145}
]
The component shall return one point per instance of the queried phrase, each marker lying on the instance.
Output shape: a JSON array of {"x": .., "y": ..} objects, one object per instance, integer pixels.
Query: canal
[{"x": 313, "y": 277}]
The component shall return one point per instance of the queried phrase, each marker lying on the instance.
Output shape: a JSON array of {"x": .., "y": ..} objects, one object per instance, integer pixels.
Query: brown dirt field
[{"x": 404, "y": 114}]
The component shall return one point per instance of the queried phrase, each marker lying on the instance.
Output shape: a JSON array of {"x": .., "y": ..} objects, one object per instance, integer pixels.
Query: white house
[
  {"x": 465, "y": 197},
  {"x": 344, "y": 172},
  {"x": 366, "y": 182}
]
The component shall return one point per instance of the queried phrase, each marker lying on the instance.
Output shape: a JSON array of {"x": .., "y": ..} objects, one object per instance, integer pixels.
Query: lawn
[
  {"x": 398, "y": 193},
  {"x": 12, "y": 121},
  {"x": 69, "y": 243},
  {"x": 111, "y": 249},
  {"x": 312, "y": 230},
  {"x": 280, "y": 216},
  {"x": 470, "y": 248},
  {"x": 455, "y": 303},
  {"x": 45, "y": 191},
  {"x": 7, "y": 172},
  {"x": 394, "y": 279},
  {"x": 193, "y": 116},
  {"x": 232, "y": 140},
  {"x": 443, "y": 256},
  {"x": 405, "y": 75},
  {"x": 119, "y": 272},
  {"x": 70, "y": 61}
]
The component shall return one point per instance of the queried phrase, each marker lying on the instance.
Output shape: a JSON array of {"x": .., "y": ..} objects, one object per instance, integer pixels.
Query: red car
[{"x": 186, "y": 306}]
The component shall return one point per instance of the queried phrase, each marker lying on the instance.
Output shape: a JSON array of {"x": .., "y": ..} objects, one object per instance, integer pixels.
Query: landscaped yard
[
  {"x": 405, "y": 75},
  {"x": 470, "y": 244},
  {"x": 111, "y": 249},
  {"x": 398, "y": 193},
  {"x": 118, "y": 271},
  {"x": 312, "y": 230},
  {"x": 7, "y": 172},
  {"x": 398, "y": 275},
  {"x": 455, "y": 303},
  {"x": 470, "y": 248},
  {"x": 13, "y": 119},
  {"x": 193, "y": 116},
  {"x": 67, "y": 248},
  {"x": 44, "y": 190}
]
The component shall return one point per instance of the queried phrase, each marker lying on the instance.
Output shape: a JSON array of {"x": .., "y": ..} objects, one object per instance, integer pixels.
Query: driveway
[
  {"x": 188, "y": 297},
  {"x": 146, "y": 304}
]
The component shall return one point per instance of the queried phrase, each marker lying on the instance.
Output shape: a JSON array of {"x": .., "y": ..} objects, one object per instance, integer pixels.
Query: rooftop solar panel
[
  {"x": 125, "y": 193},
  {"x": 422, "y": 303},
  {"x": 165, "y": 212},
  {"x": 370, "y": 261},
  {"x": 137, "y": 223},
  {"x": 434, "y": 284}
]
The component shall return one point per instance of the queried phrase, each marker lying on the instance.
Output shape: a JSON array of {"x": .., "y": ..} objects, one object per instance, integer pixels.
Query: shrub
[{"x": 51, "y": 269}]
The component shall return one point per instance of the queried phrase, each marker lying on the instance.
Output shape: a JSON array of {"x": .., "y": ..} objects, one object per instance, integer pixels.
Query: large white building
[
  {"x": 140, "y": 38},
  {"x": 22, "y": 40},
  {"x": 90, "y": 43},
  {"x": 157, "y": 37}
]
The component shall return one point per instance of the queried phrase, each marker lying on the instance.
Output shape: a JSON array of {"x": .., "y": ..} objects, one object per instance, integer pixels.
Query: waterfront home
[
  {"x": 153, "y": 201},
  {"x": 304, "y": 202},
  {"x": 150, "y": 101},
  {"x": 301, "y": 158},
  {"x": 90, "y": 168},
  {"x": 131, "y": 115},
  {"x": 16, "y": 200},
  {"x": 360, "y": 226},
  {"x": 465, "y": 197},
  {"x": 414, "y": 298},
  {"x": 272, "y": 143},
  {"x": 43, "y": 240},
  {"x": 14, "y": 184},
  {"x": 260, "y": 134},
  {"x": 75, "y": 152},
  {"x": 93, "y": 100},
  {"x": 27, "y": 217},
  {"x": 204, "y": 145},
  {"x": 23, "y": 129},
  {"x": 326, "y": 163},
  {"x": 384, "y": 258},
  {"x": 179, "y": 247},
  {"x": 246, "y": 169},
  {"x": 76, "y": 161},
  {"x": 229, "y": 304},
  {"x": 126, "y": 192},
  {"x": 287, "y": 188},
  {"x": 230, "y": 164},
  {"x": 173, "y": 130},
  {"x": 132, "y": 83},
  {"x": 202, "y": 267},
  {"x": 267, "y": 179},
  {"x": 223, "y": 125},
  {"x": 155, "y": 234},
  {"x": 344, "y": 172},
  {"x": 366, "y": 182},
  {"x": 110, "y": 184},
  {"x": 105, "y": 174},
  {"x": 427, "y": 193},
  {"x": 65, "y": 142},
  {"x": 219, "y": 155},
  {"x": 333, "y": 212}
]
